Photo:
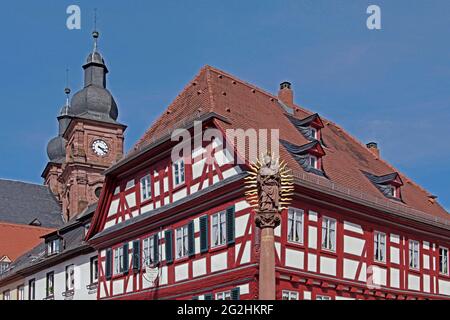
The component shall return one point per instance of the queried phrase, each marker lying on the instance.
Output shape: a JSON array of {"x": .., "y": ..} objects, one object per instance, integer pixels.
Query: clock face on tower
[{"x": 100, "y": 147}]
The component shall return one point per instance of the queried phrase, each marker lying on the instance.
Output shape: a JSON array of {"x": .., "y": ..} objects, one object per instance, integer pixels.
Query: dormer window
[
  {"x": 53, "y": 246},
  {"x": 309, "y": 127},
  {"x": 389, "y": 184},
  {"x": 308, "y": 156},
  {"x": 4, "y": 266}
]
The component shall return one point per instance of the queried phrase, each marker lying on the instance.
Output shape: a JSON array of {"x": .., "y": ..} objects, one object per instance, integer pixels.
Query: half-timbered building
[{"x": 357, "y": 228}]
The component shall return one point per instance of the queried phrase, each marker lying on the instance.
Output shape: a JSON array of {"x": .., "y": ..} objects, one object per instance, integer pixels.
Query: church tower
[{"x": 90, "y": 140}]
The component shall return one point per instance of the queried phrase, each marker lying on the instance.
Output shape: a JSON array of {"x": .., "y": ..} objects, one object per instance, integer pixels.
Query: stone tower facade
[{"x": 89, "y": 141}]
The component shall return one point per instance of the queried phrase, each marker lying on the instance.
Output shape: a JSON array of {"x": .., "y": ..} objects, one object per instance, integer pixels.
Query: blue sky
[{"x": 391, "y": 85}]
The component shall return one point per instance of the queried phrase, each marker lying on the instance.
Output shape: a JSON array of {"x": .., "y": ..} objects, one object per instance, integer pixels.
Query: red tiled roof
[
  {"x": 246, "y": 106},
  {"x": 16, "y": 240}
]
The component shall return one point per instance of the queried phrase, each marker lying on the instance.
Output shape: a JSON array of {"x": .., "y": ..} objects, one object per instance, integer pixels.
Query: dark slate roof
[{"x": 26, "y": 203}]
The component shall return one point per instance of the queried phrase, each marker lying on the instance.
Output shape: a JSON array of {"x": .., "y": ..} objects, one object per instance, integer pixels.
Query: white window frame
[
  {"x": 394, "y": 191},
  {"x": 379, "y": 246},
  {"x": 322, "y": 297},
  {"x": 329, "y": 234},
  {"x": 314, "y": 132},
  {"x": 7, "y": 295},
  {"x": 32, "y": 289},
  {"x": 414, "y": 254},
  {"x": 443, "y": 268},
  {"x": 118, "y": 260},
  {"x": 146, "y": 187},
  {"x": 179, "y": 173},
  {"x": 148, "y": 249},
  {"x": 93, "y": 266},
  {"x": 312, "y": 158},
  {"x": 50, "y": 284},
  {"x": 218, "y": 229},
  {"x": 54, "y": 246},
  {"x": 225, "y": 295},
  {"x": 21, "y": 292},
  {"x": 295, "y": 223},
  {"x": 4, "y": 267},
  {"x": 182, "y": 242},
  {"x": 70, "y": 277},
  {"x": 289, "y": 295}
]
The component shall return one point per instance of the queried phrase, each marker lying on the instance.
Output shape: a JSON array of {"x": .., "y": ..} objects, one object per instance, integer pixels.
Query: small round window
[{"x": 98, "y": 192}]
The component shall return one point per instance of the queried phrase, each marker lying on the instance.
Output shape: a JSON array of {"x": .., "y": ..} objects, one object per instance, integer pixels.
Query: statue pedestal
[{"x": 267, "y": 221}]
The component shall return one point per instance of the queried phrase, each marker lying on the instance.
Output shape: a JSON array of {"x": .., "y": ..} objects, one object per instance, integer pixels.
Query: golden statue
[{"x": 270, "y": 186}]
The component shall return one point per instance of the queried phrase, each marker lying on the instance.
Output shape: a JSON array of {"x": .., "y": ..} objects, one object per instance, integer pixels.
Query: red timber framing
[{"x": 348, "y": 271}]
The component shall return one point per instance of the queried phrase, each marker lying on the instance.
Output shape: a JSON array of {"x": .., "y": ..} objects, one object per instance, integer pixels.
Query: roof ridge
[
  {"x": 24, "y": 182},
  {"x": 25, "y": 226},
  {"x": 210, "y": 88},
  {"x": 142, "y": 140}
]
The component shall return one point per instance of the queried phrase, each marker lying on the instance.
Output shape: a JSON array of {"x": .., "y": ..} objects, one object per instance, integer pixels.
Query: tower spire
[
  {"x": 95, "y": 33},
  {"x": 67, "y": 89}
]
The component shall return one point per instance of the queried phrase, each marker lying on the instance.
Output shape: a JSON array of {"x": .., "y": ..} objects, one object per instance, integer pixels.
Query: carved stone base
[{"x": 267, "y": 219}]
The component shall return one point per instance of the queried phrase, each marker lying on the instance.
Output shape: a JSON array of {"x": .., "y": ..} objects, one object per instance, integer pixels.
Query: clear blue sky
[{"x": 391, "y": 86}]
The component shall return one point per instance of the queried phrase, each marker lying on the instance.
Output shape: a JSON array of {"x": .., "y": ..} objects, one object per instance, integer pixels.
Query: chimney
[
  {"x": 373, "y": 147},
  {"x": 286, "y": 95}
]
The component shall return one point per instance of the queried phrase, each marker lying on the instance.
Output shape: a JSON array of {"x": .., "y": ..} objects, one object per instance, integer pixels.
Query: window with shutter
[
  {"x": 191, "y": 239},
  {"x": 155, "y": 248},
  {"x": 136, "y": 255},
  {"x": 230, "y": 225},
  {"x": 108, "y": 264},
  {"x": 125, "y": 258},
  {"x": 204, "y": 234},
  {"x": 169, "y": 246},
  {"x": 235, "y": 294},
  {"x": 208, "y": 296}
]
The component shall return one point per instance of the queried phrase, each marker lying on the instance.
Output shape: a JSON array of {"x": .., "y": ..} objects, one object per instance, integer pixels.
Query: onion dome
[
  {"x": 56, "y": 149},
  {"x": 94, "y": 100}
]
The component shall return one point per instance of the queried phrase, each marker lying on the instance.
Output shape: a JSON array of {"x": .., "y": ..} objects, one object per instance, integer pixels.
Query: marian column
[{"x": 270, "y": 185}]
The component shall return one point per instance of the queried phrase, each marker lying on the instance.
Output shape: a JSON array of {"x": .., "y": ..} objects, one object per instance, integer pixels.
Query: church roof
[
  {"x": 29, "y": 204},
  {"x": 245, "y": 106}
]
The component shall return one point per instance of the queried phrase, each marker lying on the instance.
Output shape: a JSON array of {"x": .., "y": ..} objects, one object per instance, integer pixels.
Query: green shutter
[
  {"x": 191, "y": 239},
  {"x": 136, "y": 255},
  {"x": 125, "y": 258},
  {"x": 156, "y": 248},
  {"x": 208, "y": 296},
  {"x": 204, "y": 234},
  {"x": 108, "y": 264},
  {"x": 169, "y": 246},
  {"x": 195, "y": 298},
  {"x": 235, "y": 294},
  {"x": 230, "y": 225}
]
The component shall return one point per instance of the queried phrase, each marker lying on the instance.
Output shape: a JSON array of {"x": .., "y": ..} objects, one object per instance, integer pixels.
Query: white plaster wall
[
  {"x": 395, "y": 278},
  {"x": 444, "y": 287},
  {"x": 294, "y": 259},
  {"x": 219, "y": 262},
  {"x": 328, "y": 266},
  {"x": 353, "y": 227},
  {"x": 82, "y": 279},
  {"x": 413, "y": 282}
]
